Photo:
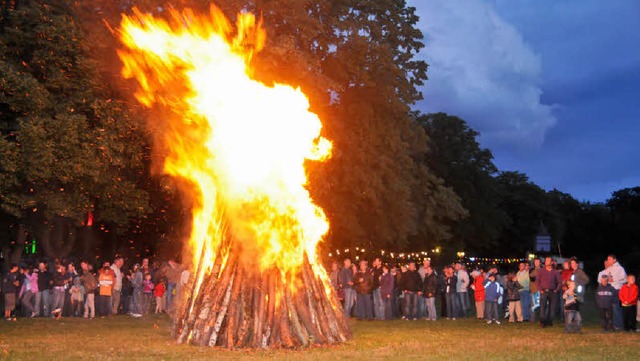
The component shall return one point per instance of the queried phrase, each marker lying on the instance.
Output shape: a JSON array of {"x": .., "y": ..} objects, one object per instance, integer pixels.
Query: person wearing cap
[{"x": 604, "y": 300}]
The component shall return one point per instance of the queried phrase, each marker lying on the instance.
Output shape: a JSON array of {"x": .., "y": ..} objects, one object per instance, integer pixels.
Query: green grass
[{"x": 123, "y": 337}]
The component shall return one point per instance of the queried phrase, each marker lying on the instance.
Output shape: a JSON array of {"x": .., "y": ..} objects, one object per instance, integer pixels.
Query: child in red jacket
[
  {"x": 629, "y": 297},
  {"x": 159, "y": 293}
]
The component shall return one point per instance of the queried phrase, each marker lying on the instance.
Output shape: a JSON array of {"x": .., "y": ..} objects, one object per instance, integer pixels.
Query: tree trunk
[{"x": 237, "y": 304}]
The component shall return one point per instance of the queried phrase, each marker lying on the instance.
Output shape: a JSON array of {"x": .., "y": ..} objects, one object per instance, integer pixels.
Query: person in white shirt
[
  {"x": 617, "y": 277},
  {"x": 117, "y": 284}
]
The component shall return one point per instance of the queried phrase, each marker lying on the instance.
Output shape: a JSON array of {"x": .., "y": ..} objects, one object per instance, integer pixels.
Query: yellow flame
[{"x": 239, "y": 143}]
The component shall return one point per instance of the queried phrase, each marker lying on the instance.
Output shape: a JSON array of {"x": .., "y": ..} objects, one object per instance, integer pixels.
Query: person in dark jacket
[
  {"x": 411, "y": 289},
  {"x": 604, "y": 300},
  {"x": 363, "y": 283},
  {"x": 345, "y": 282},
  {"x": 450, "y": 282},
  {"x": 429, "y": 289},
  {"x": 386, "y": 291},
  {"x": 378, "y": 302},
  {"x": 513, "y": 296},
  {"x": 10, "y": 287},
  {"x": 45, "y": 281}
]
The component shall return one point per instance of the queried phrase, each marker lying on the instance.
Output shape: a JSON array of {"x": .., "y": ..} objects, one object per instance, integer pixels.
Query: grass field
[{"x": 123, "y": 337}]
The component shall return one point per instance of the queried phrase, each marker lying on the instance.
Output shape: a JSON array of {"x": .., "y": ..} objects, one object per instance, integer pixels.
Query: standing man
[
  {"x": 378, "y": 301},
  {"x": 535, "y": 295},
  {"x": 117, "y": 284},
  {"x": 422, "y": 303},
  {"x": 430, "y": 288},
  {"x": 549, "y": 284},
  {"x": 580, "y": 278},
  {"x": 525, "y": 293},
  {"x": 363, "y": 283},
  {"x": 617, "y": 277},
  {"x": 412, "y": 290},
  {"x": 10, "y": 287},
  {"x": 345, "y": 280},
  {"x": 90, "y": 284},
  {"x": 173, "y": 273},
  {"x": 462, "y": 284},
  {"x": 45, "y": 280}
]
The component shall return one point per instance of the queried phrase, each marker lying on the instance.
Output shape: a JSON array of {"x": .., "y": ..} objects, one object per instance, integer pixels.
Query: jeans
[
  {"x": 616, "y": 312},
  {"x": 452, "y": 305},
  {"x": 431, "y": 308},
  {"x": 525, "y": 301},
  {"x": 104, "y": 305},
  {"x": 89, "y": 305},
  {"x": 378, "y": 304},
  {"x": 364, "y": 307},
  {"x": 349, "y": 300},
  {"x": 27, "y": 303},
  {"x": 491, "y": 310},
  {"x": 548, "y": 303},
  {"x": 136, "y": 303},
  {"x": 42, "y": 302},
  {"x": 572, "y": 321},
  {"x": 463, "y": 304},
  {"x": 169, "y": 295},
  {"x": 58, "y": 299},
  {"x": 422, "y": 307},
  {"x": 411, "y": 304},
  {"x": 387, "y": 303}
]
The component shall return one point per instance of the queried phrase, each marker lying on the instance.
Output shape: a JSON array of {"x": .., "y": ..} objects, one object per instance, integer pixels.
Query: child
[
  {"x": 604, "y": 300},
  {"x": 572, "y": 317},
  {"x": 147, "y": 293},
  {"x": 629, "y": 297},
  {"x": 159, "y": 293},
  {"x": 77, "y": 296},
  {"x": 478, "y": 292},
  {"x": 492, "y": 291},
  {"x": 513, "y": 296}
]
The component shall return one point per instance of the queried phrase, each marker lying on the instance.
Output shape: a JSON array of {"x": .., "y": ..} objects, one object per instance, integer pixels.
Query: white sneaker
[
  {"x": 489, "y": 322},
  {"x": 498, "y": 322}
]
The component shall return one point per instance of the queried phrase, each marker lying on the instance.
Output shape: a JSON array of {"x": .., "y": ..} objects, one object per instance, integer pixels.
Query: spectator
[
  {"x": 604, "y": 300},
  {"x": 90, "y": 284},
  {"x": 60, "y": 286},
  {"x": 147, "y": 293},
  {"x": 478, "y": 292},
  {"x": 28, "y": 291},
  {"x": 116, "y": 289},
  {"x": 386, "y": 292},
  {"x": 333, "y": 276},
  {"x": 345, "y": 279},
  {"x": 628, "y": 295},
  {"x": 77, "y": 292},
  {"x": 10, "y": 287},
  {"x": 422, "y": 304},
  {"x": 493, "y": 291},
  {"x": 136, "y": 283},
  {"x": 525, "y": 292},
  {"x": 159, "y": 292},
  {"x": 533, "y": 286},
  {"x": 363, "y": 283},
  {"x": 173, "y": 271},
  {"x": 378, "y": 302},
  {"x": 549, "y": 285},
  {"x": 411, "y": 290},
  {"x": 45, "y": 281},
  {"x": 430, "y": 289},
  {"x": 462, "y": 284},
  {"x": 513, "y": 296},
  {"x": 105, "y": 280},
  {"x": 572, "y": 320},
  {"x": 617, "y": 277},
  {"x": 450, "y": 283},
  {"x": 579, "y": 277}
]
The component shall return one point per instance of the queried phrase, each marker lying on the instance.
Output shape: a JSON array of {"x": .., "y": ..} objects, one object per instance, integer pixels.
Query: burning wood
[{"x": 239, "y": 147}]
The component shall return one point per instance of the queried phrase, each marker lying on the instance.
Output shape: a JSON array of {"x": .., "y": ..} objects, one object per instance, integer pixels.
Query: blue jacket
[
  {"x": 492, "y": 290},
  {"x": 604, "y": 296}
]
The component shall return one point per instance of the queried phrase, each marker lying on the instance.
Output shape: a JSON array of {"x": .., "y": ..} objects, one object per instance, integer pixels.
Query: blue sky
[{"x": 552, "y": 86}]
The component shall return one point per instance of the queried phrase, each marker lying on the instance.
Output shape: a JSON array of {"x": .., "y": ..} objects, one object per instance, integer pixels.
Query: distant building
[{"x": 543, "y": 240}]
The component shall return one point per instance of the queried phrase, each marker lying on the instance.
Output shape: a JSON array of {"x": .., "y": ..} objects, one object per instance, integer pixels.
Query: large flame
[{"x": 240, "y": 144}]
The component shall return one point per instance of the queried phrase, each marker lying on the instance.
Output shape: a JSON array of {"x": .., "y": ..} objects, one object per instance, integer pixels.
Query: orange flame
[{"x": 239, "y": 143}]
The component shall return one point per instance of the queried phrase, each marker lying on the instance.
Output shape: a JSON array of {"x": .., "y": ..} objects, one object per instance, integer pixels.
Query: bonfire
[{"x": 237, "y": 149}]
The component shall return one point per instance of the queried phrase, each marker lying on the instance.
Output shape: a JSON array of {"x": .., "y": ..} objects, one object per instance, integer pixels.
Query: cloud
[{"x": 482, "y": 70}]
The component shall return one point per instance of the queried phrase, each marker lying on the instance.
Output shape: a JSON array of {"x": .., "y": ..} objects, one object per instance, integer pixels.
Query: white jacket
[{"x": 617, "y": 275}]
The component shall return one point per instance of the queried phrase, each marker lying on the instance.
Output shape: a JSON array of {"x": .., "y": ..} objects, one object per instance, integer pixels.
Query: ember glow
[{"x": 239, "y": 145}]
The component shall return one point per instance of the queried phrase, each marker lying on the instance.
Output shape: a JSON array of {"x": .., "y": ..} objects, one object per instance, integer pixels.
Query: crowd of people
[
  {"x": 536, "y": 292},
  {"x": 59, "y": 289}
]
